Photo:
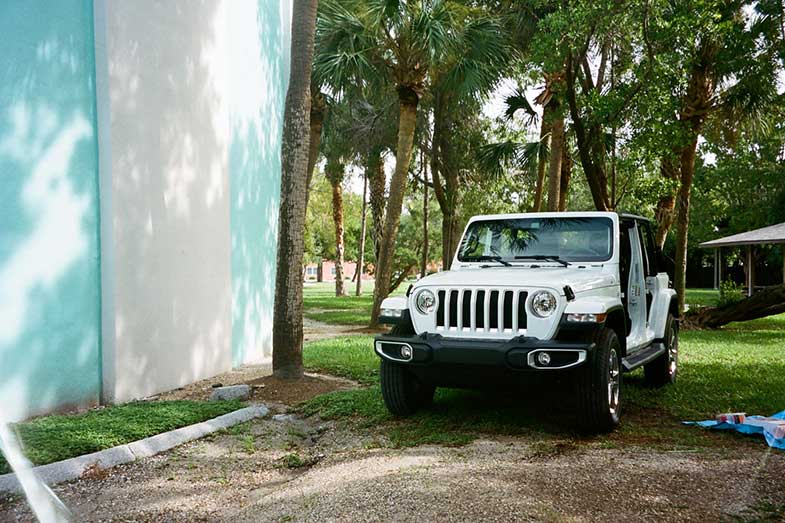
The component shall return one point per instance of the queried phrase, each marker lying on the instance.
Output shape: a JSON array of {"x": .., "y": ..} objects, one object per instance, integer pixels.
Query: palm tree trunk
[
  {"x": 566, "y": 174},
  {"x": 687, "y": 162},
  {"x": 361, "y": 255},
  {"x": 697, "y": 102},
  {"x": 542, "y": 164},
  {"x": 424, "y": 263},
  {"x": 318, "y": 110},
  {"x": 374, "y": 171},
  {"x": 667, "y": 203},
  {"x": 288, "y": 308},
  {"x": 406, "y": 125},
  {"x": 340, "y": 286},
  {"x": 557, "y": 145}
]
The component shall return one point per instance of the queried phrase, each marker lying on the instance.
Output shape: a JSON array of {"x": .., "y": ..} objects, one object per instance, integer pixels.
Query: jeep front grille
[{"x": 481, "y": 310}]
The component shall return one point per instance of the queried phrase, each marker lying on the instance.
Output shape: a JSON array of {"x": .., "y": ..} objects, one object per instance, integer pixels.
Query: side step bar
[{"x": 643, "y": 356}]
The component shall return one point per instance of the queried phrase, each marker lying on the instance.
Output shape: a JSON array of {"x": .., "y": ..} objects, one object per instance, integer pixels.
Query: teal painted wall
[
  {"x": 49, "y": 261},
  {"x": 258, "y": 77}
]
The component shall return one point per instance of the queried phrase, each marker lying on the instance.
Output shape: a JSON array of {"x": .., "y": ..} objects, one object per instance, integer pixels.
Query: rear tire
[
  {"x": 402, "y": 392},
  {"x": 663, "y": 370},
  {"x": 599, "y": 385}
]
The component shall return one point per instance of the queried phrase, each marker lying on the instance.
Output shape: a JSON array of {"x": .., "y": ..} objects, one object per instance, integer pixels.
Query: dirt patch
[
  {"x": 202, "y": 389},
  {"x": 272, "y": 390},
  {"x": 313, "y": 331},
  {"x": 289, "y": 468}
]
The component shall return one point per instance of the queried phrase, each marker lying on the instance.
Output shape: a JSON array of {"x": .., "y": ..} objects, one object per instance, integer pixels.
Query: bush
[{"x": 730, "y": 293}]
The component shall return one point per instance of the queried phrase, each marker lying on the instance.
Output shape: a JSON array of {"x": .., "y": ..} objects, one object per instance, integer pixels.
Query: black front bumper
[{"x": 432, "y": 352}]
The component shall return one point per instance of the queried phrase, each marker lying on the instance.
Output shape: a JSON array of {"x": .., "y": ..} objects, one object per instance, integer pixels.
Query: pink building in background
[{"x": 325, "y": 271}]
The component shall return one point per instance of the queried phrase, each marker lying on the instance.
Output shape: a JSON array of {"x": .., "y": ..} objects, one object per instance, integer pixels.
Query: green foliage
[
  {"x": 730, "y": 293},
  {"x": 320, "y": 230},
  {"x": 54, "y": 438}
]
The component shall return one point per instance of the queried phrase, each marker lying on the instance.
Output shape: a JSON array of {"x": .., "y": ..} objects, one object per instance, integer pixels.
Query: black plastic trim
[{"x": 433, "y": 349}]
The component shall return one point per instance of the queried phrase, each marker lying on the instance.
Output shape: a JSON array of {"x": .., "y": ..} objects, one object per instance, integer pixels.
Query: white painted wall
[{"x": 163, "y": 126}]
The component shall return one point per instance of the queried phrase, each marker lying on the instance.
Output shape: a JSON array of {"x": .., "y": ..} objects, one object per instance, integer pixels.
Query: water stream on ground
[{"x": 45, "y": 504}]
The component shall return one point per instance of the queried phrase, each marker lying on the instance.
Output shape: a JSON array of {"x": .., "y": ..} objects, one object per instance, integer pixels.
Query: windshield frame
[{"x": 459, "y": 257}]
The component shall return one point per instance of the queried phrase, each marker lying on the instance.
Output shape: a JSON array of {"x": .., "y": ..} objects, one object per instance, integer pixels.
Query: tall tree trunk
[
  {"x": 557, "y": 146},
  {"x": 288, "y": 308},
  {"x": 591, "y": 147},
  {"x": 361, "y": 255},
  {"x": 318, "y": 111},
  {"x": 452, "y": 233},
  {"x": 566, "y": 174},
  {"x": 374, "y": 171},
  {"x": 448, "y": 195},
  {"x": 337, "y": 185},
  {"x": 542, "y": 163},
  {"x": 667, "y": 203},
  {"x": 406, "y": 124},
  {"x": 424, "y": 263},
  {"x": 695, "y": 107},
  {"x": 687, "y": 162}
]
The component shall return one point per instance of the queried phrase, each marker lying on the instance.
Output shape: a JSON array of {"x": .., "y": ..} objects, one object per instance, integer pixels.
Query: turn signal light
[{"x": 586, "y": 317}]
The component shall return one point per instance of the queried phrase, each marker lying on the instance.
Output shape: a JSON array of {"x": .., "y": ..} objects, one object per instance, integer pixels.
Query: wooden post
[
  {"x": 750, "y": 275},
  {"x": 783, "y": 263},
  {"x": 716, "y": 269},
  {"x": 721, "y": 265}
]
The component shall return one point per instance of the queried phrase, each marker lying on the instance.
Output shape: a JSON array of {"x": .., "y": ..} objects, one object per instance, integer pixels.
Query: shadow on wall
[
  {"x": 259, "y": 71},
  {"x": 169, "y": 158},
  {"x": 49, "y": 266}
]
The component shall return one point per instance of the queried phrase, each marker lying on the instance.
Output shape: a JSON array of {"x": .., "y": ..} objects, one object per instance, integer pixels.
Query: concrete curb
[{"x": 73, "y": 468}]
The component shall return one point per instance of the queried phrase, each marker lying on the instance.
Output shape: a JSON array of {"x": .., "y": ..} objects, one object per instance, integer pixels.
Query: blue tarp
[{"x": 777, "y": 443}]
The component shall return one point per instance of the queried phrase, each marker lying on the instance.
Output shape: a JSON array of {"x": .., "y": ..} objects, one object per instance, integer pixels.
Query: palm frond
[
  {"x": 518, "y": 102},
  {"x": 481, "y": 55},
  {"x": 344, "y": 49},
  {"x": 494, "y": 158}
]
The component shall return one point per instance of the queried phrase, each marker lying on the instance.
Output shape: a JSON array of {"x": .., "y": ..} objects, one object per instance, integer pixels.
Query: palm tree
[
  {"x": 338, "y": 149},
  {"x": 399, "y": 40},
  {"x": 459, "y": 82},
  {"x": 288, "y": 309}
]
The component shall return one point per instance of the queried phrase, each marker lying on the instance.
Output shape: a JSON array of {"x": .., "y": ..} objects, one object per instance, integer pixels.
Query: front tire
[
  {"x": 599, "y": 386},
  {"x": 402, "y": 392},
  {"x": 662, "y": 371}
]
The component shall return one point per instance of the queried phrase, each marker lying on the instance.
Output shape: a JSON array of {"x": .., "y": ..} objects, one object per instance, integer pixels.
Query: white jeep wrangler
[{"x": 582, "y": 295}]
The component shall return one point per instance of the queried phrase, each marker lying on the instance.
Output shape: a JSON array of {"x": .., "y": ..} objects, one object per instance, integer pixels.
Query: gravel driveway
[{"x": 292, "y": 469}]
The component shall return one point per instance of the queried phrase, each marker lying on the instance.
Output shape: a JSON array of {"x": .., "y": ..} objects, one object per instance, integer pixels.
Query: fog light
[
  {"x": 543, "y": 358},
  {"x": 406, "y": 352}
]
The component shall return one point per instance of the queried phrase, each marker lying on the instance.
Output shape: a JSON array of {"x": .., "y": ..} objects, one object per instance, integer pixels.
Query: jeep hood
[{"x": 555, "y": 278}]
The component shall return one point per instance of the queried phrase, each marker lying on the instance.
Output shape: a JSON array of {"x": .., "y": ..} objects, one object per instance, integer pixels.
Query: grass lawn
[
  {"x": 54, "y": 438},
  {"x": 702, "y": 297},
  {"x": 321, "y": 304},
  {"x": 738, "y": 368}
]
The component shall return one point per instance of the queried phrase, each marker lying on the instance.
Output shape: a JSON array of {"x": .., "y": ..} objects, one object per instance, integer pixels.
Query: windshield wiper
[
  {"x": 487, "y": 258},
  {"x": 544, "y": 258}
]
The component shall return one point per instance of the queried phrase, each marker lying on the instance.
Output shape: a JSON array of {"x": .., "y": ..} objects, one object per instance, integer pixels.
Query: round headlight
[
  {"x": 425, "y": 301},
  {"x": 543, "y": 303}
]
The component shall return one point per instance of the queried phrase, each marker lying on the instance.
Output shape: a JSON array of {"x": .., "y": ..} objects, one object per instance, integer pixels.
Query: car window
[{"x": 571, "y": 239}]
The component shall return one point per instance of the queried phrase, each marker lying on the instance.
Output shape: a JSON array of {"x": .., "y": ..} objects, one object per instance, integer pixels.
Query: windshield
[{"x": 565, "y": 239}]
